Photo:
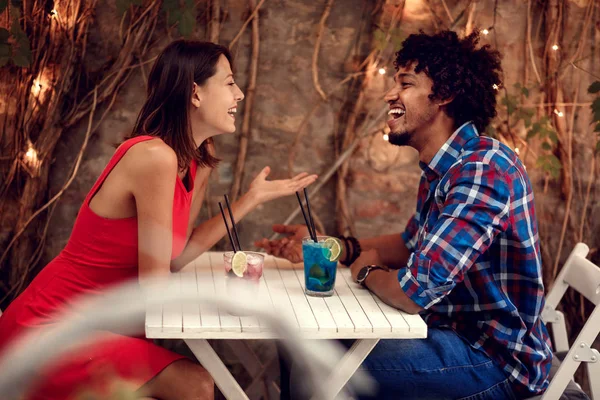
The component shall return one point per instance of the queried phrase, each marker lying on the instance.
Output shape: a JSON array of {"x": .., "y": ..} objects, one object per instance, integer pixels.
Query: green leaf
[
  {"x": 170, "y": 5},
  {"x": 553, "y": 137},
  {"x": 174, "y": 17},
  {"x": 517, "y": 85},
  {"x": 546, "y": 146},
  {"x": 187, "y": 23},
  {"x": 594, "y": 87},
  {"x": 4, "y": 50},
  {"x": 4, "y": 35},
  {"x": 20, "y": 60},
  {"x": 596, "y": 106},
  {"x": 544, "y": 120},
  {"x": 3, "y": 4},
  {"x": 525, "y": 91},
  {"x": 122, "y": 6}
]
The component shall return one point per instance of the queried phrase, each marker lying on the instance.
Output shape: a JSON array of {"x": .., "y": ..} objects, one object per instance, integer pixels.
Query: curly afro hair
[{"x": 458, "y": 69}]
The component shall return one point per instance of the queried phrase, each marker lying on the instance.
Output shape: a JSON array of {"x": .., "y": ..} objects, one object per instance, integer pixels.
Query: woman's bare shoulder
[{"x": 151, "y": 159}]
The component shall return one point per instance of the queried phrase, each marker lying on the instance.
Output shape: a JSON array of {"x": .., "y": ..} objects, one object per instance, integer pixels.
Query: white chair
[{"x": 583, "y": 276}]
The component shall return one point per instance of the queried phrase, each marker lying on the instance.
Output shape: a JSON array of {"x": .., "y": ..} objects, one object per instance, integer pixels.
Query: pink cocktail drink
[{"x": 254, "y": 266}]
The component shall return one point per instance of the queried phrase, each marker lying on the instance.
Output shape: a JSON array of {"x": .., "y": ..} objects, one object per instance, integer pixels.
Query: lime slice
[
  {"x": 335, "y": 248},
  {"x": 239, "y": 263}
]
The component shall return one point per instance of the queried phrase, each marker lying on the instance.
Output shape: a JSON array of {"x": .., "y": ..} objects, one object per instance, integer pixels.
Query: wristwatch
[{"x": 364, "y": 272}]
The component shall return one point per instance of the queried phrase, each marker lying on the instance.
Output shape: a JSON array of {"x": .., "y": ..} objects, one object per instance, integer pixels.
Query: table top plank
[
  {"x": 304, "y": 314},
  {"x": 190, "y": 309},
  {"x": 279, "y": 296},
  {"x": 264, "y": 297},
  {"x": 352, "y": 312},
  {"x": 361, "y": 322},
  {"x": 229, "y": 323},
  {"x": 209, "y": 315},
  {"x": 320, "y": 308},
  {"x": 378, "y": 320},
  {"x": 172, "y": 311}
]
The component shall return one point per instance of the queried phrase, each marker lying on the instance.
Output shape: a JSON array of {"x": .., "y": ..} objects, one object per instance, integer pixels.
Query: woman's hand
[
  {"x": 263, "y": 190},
  {"x": 289, "y": 247}
]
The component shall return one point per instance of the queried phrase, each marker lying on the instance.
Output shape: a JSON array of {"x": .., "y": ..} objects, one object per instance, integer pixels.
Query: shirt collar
[{"x": 449, "y": 152}]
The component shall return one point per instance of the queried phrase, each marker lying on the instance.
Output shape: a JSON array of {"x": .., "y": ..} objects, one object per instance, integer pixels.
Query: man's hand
[
  {"x": 289, "y": 247},
  {"x": 369, "y": 257}
]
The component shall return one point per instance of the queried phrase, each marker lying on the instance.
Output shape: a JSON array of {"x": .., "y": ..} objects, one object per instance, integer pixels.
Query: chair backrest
[{"x": 583, "y": 276}]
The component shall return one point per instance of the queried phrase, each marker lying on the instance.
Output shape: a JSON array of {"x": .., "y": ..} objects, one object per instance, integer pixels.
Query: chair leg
[{"x": 593, "y": 371}]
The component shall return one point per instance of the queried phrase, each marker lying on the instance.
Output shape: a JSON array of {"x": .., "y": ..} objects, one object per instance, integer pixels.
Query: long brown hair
[{"x": 165, "y": 114}]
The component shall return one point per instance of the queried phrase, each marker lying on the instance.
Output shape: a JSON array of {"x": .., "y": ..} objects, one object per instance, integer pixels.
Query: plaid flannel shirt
[{"x": 476, "y": 264}]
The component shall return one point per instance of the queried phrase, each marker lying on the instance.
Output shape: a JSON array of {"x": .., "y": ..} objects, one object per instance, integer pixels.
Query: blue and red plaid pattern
[{"x": 476, "y": 263}]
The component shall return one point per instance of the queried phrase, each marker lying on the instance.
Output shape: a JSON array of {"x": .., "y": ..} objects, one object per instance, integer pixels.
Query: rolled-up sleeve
[
  {"x": 475, "y": 209},
  {"x": 410, "y": 233}
]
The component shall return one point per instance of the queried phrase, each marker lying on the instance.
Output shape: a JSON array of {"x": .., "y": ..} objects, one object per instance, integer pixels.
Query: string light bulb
[
  {"x": 555, "y": 47},
  {"x": 31, "y": 160},
  {"x": 559, "y": 113},
  {"x": 53, "y": 13},
  {"x": 386, "y": 137},
  {"x": 496, "y": 87},
  {"x": 381, "y": 71},
  {"x": 485, "y": 32},
  {"x": 36, "y": 88}
]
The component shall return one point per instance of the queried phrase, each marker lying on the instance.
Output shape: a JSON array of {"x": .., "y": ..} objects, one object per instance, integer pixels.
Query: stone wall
[{"x": 382, "y": 179}]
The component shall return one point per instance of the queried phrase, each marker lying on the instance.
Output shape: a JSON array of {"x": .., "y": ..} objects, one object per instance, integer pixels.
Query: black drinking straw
[
  {"x": 310, "y": 232},
  {"x": 235, "y": 233},
  {"x": 312, "y": 223},
  {"x": 227, "y": 227}
]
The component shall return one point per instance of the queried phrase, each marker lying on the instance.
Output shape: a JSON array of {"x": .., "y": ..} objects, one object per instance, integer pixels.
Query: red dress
[{"x": 100, "y": 252}]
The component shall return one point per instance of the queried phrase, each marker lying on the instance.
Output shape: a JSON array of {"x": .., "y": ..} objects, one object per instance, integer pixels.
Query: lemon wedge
[
  {"x": 335, "y": 248},
  {"x": 239, "y": 263}
]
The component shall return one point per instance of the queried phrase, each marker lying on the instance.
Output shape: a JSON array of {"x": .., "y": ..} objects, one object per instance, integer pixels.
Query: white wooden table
[{"x": 351, "y": 313}]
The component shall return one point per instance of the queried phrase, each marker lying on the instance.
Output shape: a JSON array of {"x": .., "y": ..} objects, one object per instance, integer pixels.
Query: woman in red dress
[{"x": 138, "y": 221}]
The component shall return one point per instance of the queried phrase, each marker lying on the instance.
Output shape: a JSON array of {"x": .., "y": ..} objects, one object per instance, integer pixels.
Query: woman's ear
[{"x": 196, "y": 97}]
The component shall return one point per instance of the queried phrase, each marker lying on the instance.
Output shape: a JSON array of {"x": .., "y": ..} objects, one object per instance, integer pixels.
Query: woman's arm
[
  {"x": 207, "y": 234},
  {"x": 153, "y": 170},
  {"x": 261, "y": 190}
]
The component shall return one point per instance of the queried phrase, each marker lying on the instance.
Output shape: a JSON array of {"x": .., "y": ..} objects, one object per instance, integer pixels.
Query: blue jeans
[{"x": 443, "y": 366}]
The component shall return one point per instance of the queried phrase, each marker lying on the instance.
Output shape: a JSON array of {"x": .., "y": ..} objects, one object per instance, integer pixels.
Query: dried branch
[
  {"x": 587, "y": 198},
  {"x": 308, "y": 116},
  {"x": 315, "y": 57},
  {"x": 243, "y": 28},
  {"x": 241, "y": 158},
  {"x": 529, "y": 45},
  {"x": 214, "y": 22},
  {"x": 65, "y": 186}
]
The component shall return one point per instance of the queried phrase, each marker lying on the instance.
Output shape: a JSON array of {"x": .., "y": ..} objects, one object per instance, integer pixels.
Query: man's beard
[{"x": 400, "y": 139}]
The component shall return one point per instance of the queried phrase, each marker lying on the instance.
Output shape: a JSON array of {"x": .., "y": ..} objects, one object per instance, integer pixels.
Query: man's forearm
[
  {"x": 386, "y": 286},
  {"x": 391, "y": 249}
]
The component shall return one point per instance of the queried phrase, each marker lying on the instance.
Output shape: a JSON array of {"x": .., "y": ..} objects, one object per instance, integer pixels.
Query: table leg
[
  {"x": 348, "y": 366},
  {"x": 219, "y": 372}
]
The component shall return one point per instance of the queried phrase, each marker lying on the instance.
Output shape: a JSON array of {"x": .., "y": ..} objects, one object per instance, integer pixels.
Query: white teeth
[
  {"x": 396, "y": 111},
  {"x": 232, "y": 110}
]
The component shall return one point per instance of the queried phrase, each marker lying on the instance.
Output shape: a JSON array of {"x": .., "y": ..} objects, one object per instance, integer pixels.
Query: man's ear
[
  {"x": 446, "y": 101},
  {"x": 196, "y": 96}
]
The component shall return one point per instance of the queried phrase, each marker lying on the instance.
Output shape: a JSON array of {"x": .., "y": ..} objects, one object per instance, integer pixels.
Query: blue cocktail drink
[{"x": 320, "y": 265}]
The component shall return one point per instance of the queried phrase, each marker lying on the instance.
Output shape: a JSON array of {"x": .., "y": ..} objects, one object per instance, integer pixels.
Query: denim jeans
[{"x": 443, "y": 366}]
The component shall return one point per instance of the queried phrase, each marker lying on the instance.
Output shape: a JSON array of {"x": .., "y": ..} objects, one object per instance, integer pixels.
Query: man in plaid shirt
[{"x": 469, "y": 260}]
